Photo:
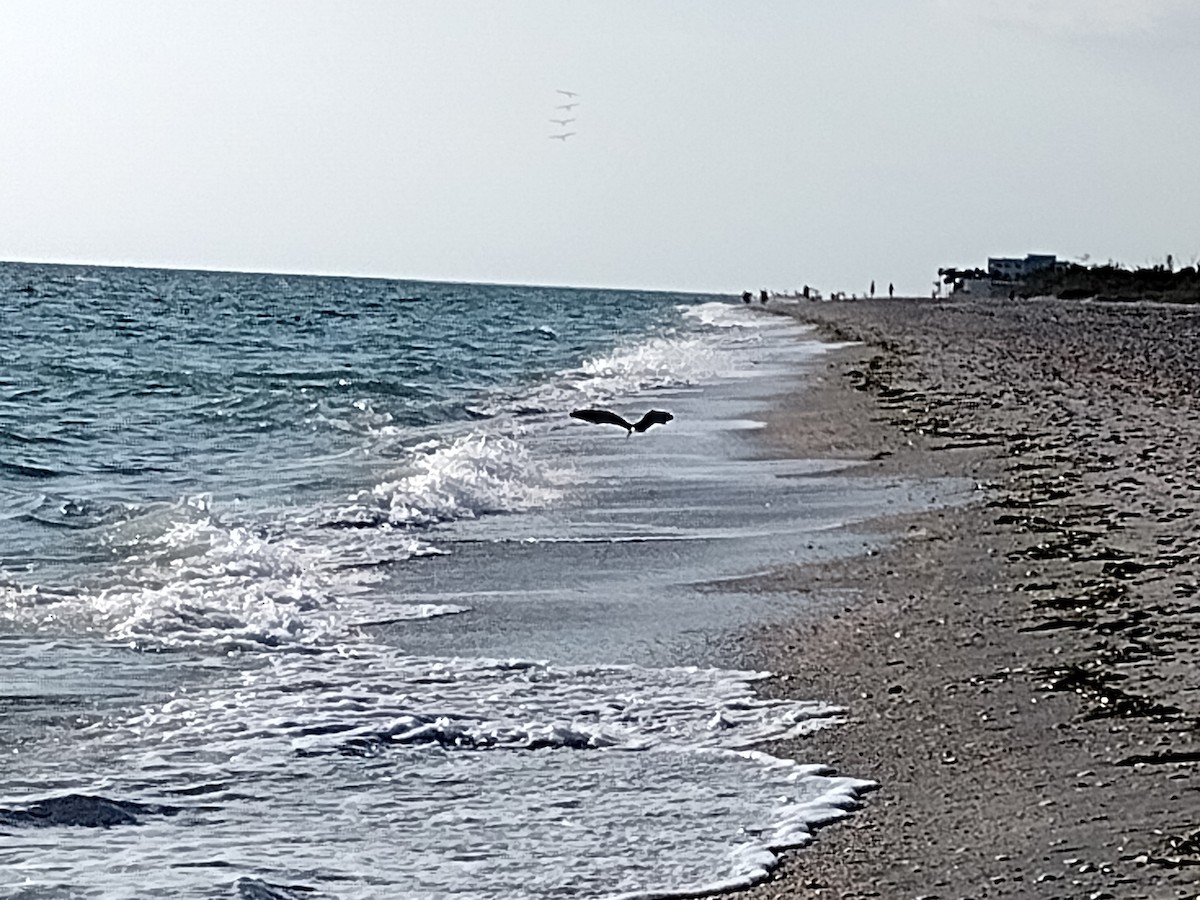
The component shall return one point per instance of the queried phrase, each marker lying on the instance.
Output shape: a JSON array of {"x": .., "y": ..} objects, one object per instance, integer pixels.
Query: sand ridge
[{"x": 1020, "y": 672}]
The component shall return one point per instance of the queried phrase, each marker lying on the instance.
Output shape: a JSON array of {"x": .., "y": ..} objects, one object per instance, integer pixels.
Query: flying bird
[
  {"x": 605, "y": 417},
  {"x": 562, "y": 122},
  {"x": 561, "y": 137},
  {"x": 566, "y": 93},
  {"x": 567, "y": 106}
]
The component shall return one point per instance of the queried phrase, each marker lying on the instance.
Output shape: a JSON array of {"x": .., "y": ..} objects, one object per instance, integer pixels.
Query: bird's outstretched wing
[
  {"x": 654, "y": 417},
  {"x": 600, "y": 417},
  {"x": 605, "y": 417}
]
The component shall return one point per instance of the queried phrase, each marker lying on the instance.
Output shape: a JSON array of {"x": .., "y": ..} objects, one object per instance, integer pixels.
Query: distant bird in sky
[
  {"x": 561, "y": 137},
  {"x": 562, "y": 122},
  {"x": 566, "y": 93},
  {"x": 606, "y": 417},
  {"x": 567, "y": 106}
]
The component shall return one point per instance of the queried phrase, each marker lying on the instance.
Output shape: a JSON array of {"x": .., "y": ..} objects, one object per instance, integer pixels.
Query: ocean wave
[
  {"x": 260, "y": 889},
  {"x": 9, "y": 436},
  {"x": 79, "y": 513},
  {"x": 819, "y": 797},
  {"x": 659, "y": 363},
  {"x": 462, "y": 478},
  {"x": 25, "y": 470},
  {"x": 365, "y": 699},
  {"x": 656, "y": 363},
  {"x": 81, "y": 811},
  {"x": 722, "y": 315},
  {"x": 711, "y": 344},
  {"x": 714, "y": 347},
  {"x": 182, "y": 576}
]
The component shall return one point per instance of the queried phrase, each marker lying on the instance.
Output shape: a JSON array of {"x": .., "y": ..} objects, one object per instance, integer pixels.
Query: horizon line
[{"x": 296, "y": 274}]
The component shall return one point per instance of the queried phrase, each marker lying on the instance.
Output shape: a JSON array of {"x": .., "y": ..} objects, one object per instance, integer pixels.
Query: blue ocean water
[{"x": 310, "y": 587}]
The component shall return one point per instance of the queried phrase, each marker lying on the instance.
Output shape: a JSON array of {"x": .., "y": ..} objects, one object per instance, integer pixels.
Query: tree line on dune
[{"x": 1114, "y": 282}]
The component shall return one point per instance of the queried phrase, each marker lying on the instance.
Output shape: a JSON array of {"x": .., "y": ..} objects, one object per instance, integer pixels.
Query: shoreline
[{"x": 1020, "y": 673}]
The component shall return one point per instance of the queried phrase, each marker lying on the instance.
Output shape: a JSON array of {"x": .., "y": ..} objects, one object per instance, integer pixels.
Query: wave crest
[
  {"x": 470, "y": 476},
  {"x": 185, "y": 577}
]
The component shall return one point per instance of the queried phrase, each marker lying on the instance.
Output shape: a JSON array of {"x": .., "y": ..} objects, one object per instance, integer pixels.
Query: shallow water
[{"x": 313, "y": 589}]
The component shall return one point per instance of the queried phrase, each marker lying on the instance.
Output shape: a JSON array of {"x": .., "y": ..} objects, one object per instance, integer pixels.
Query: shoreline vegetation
[
  {"x": 1020, "y": 672},
  {"x": 1115, "y": 283}
]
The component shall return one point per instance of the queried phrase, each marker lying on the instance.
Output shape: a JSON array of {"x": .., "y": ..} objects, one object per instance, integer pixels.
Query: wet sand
[{"x": 1021, "y": 674}]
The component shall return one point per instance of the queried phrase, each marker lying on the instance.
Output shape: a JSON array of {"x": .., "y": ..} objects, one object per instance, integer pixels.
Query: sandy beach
[{"x": 1020, "y": 673}]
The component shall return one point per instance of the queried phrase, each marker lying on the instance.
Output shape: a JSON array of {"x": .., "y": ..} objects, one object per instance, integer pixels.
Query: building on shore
[{"x": 1003, "y": 276}]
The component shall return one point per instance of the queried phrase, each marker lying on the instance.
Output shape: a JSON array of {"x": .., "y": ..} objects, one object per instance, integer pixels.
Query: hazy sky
[{"x": 720, "y": 145}]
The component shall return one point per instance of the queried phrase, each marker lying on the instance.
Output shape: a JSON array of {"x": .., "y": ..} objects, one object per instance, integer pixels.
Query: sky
[{"x": 718, "y": 146}]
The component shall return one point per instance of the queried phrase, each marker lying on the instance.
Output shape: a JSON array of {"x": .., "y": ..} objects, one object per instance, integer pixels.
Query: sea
[{"x": 310, "y": 587}]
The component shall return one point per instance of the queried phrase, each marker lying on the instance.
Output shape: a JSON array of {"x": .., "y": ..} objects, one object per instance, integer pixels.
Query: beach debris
[{"x": 1094, "y": 683}]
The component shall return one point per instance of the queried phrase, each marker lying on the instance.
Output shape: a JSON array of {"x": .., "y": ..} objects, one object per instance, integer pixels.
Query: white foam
[
  {"x": 472, "y": 475},
  {"x": 354, "y": 417},
  {"x": 367, "y": 699},
  {"x": 818, "y": 798},
  {"x": 724, "y": 315},
  {"x": 422, "y": 821},
  {"x": 658, "y": 363},
  {"x": 618, "y": 738},
  {"x": 186, "y": 574},
  {"x": 717, "y": 314},
  {"x": 183, "y": 576},
  {"x": 721, "y": 341}
]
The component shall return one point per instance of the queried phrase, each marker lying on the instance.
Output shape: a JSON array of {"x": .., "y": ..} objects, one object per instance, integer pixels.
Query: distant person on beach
[
  {"x": 762, "y": 296},
  {"x": 872, "y": 288},
  {"x": 806, "y": 292},
  {"x": 891, "y": 290},
  {"x": 745, "y": 296}
]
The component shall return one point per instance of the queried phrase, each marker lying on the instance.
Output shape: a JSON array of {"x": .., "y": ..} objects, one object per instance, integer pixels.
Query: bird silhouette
[
  {"x": 561, "y": 137},
  {"x": 562, "y": 122},
  {"x": 567, "y": 106},
  {"x": 606, "y": 417},
  {"x": 567, "y": 93}
]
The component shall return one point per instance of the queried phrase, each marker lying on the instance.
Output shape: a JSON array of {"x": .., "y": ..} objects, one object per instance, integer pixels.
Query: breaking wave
[
  {"x": 462, "y": 478},
  {"x": 184, "y": 575}
]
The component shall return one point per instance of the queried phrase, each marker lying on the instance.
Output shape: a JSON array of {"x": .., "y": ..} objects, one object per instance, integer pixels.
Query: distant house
[
  {"x": 1006, "y": 269},
  {"x": 1002, "y": 276}
]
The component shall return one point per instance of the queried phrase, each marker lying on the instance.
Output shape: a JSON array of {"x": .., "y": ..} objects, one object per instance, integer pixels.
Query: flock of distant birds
[{"x": 566, "y": 108}]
